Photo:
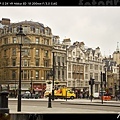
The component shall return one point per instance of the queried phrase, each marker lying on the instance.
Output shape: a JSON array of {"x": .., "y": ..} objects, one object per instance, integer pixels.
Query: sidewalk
[
  {"x": 77, "y": 101},
  {"x": 96, "y": 102},
  {"x": 55, "y": 109}
]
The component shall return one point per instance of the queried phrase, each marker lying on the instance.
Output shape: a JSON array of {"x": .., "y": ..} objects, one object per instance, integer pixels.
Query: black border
[
  {"x": 63, "y": 3},
  {"x": 80, "y": 116}
]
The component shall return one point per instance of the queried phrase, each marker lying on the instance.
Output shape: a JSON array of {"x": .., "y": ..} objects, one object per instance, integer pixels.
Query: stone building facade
[
  {"x": 83, "y": 63},
  {"x": 36, "y": 56}
]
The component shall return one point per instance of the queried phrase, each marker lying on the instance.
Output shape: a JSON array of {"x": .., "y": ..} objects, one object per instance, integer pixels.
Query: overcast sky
[{"x": 95, "y": 26}]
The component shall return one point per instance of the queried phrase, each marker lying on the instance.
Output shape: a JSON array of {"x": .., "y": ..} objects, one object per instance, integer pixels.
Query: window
[
  {"x": 86, "y": 76},
  {"x": 37, "y": 74},
  {"x": 81, "y": 76},
  {"x": 14, "y": 30},
  {"x": 86, "y": 83},
  {"x": 46, "y": 63},
  {"x": 25, "y": 74},
  {"x": 73, "y": 83},
  {"x": 86, "y": 68},
  {"x": 45, "y": 74},
  {"x": 37, "y": 52},
  {"x": 26, "y": 52},
  {"x": 25, "y": 62},
  {"x": 91, "y": 66},
  {"x": 6, "y": 41},
  {"x": 69, "y": 75},
  {"x": 81, "y": 83},
  {"x": 14, "y": 40},
  {"x": 96, "y": 67},
  {"x": 37, "y": 40},
  {"x": 13, "y": 51},
  {"x": 26, "y": 40},
  {"x": 46, "y": 41},
  {"x": 46, "y": 53},
  {"x": 96, "y": 88},
  {"x": 91, "y": 75},
  {"x": 96, "y": 76},
  {"x": 69, "y": 83},
  {"x": 13, "y": 62},
  {"x": 36, "y": 30},
  {"x": 100, "y": 67},
  {"x": 37, "y": 62},
  {"x": 13, "y": 75},
  {"x": 69, "y": 67}
]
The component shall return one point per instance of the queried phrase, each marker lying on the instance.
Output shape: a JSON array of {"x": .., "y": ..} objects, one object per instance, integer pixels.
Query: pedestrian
[{"x": 81, "y": 95}]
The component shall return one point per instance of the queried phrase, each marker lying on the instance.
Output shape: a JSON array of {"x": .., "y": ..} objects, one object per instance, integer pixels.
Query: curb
[
  {"x": 36, "y": 100},
  {"x": 93, "y": 104}
]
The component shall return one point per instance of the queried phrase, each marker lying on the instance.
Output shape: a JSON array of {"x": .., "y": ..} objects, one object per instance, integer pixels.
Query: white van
[{"x": 96, "y": 95}]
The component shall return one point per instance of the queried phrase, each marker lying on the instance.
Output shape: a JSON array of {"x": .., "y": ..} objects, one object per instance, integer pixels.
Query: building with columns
[
  {"x": 59, "y": 62},
  {"x": 83, "y": 63},
  {"x": 36, "y": 55}
]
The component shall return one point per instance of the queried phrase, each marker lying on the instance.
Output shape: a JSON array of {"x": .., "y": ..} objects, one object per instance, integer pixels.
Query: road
[{"x": 36, "y": 106}]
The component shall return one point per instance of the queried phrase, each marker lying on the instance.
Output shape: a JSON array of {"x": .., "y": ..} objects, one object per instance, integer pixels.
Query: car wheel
[{"x": 72, "y": 97}]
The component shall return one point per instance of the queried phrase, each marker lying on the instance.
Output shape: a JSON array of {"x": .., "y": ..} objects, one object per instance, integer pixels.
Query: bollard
[
  {"x": 49, "y": 101},
  {"x": 4, "y": 102}
]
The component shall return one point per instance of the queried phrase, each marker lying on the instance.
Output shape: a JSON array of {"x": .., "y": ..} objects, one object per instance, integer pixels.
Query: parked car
[
  {"x": 96, "y": 95},
  {"x": 106, "y": 97},
  {"x": 28, "y": 95},
  {"x": 118, "y": 96}
]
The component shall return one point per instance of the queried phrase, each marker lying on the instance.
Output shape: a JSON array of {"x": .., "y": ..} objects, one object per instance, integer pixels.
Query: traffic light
[
  {"x": 91, "y": 82},
  {"x": 104, "y": 76}
]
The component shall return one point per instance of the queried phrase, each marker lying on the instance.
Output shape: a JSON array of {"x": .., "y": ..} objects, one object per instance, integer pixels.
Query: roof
[
  {"x": 109, "y": 63},
  {"x": 67, "y": 40},
  {"x": 31, "y": 23},
  {"x": 71, "y": 47}
]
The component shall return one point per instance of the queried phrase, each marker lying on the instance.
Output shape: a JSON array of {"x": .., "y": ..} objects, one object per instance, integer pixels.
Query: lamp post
[
  {"x": 20, "y": 34},
  {"x": 53, "y": 77},
  {"x": 115, "y": 85},
  {"x": 42, "y": 94},
  {"x": 15, "y": 89},
  {"x": 31, "y": 85},
  {"x": 119, "y": 78}
]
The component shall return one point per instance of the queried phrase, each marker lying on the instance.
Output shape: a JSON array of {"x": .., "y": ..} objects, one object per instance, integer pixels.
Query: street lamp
[
  {"x": 119, "y": 78},
  {"x": 20, "y": 36},
  {"x": 53, "y": 77},
  {"x": 31, "y": 85},
  {"x": 52, "y": 73}
]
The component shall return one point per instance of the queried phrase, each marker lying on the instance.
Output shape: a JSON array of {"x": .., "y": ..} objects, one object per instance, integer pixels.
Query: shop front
[
  {"x": 4, "y": 87},
  {"x": 13, "y": 90},
  {"x": 39, "y": 88}
]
